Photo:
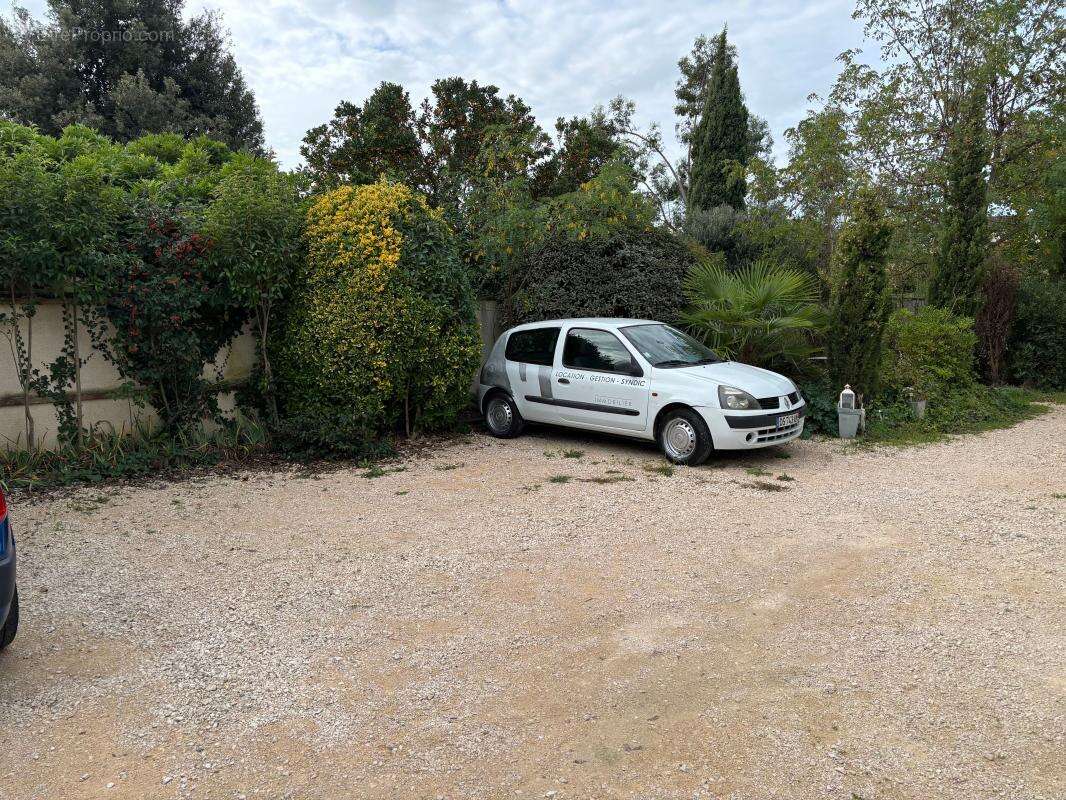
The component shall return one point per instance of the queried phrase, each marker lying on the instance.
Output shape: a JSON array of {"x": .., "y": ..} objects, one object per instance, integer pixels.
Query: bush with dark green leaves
[
  {"x": 930, "y": 351},
  {"x": 635, "y": 273},
  {"x": 821, "y": 397},
  {"x": 1037, "y": 346}
]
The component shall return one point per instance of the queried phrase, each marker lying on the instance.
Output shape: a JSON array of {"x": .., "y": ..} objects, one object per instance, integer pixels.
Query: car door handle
[{"x": 564, "y": 380}]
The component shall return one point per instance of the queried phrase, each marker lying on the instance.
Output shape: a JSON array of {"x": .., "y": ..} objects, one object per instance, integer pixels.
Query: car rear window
[{"x": 533, "y": 346}]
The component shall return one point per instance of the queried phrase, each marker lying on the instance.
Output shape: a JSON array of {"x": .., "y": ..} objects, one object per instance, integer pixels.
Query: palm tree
[{"x": 762, "y": 314}]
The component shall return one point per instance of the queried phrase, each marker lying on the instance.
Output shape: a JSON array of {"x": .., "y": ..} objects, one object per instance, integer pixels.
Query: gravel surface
[{"x": 554, "y": 616}]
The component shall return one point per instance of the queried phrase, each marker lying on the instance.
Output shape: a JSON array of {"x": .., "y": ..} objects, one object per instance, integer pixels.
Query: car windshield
[{"x": 664, "y": 346}]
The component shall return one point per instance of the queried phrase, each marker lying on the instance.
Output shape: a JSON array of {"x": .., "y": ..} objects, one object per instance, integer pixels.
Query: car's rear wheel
[
  {"x": 502, "y": 417},
  {"x": 7, "y": 634},
  {"x": 685, "y": 438}
]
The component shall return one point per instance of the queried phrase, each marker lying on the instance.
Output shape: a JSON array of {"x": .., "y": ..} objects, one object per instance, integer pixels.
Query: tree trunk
[
  {"x": 263, "y": 315},
  {"x": 77, "y": 375},
  {"x": 407, "y": 412},
  {"x": 31, "y": 432}
]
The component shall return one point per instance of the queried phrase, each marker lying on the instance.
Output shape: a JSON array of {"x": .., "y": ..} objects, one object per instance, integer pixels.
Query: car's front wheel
[
  {"x": 7, "y": 633},
  {"x": 502, "y": 417},
  {"x": 685, "y": 438}
]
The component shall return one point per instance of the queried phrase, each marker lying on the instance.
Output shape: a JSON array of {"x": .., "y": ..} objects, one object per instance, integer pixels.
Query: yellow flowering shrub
[{"x": 382, "y": 324}]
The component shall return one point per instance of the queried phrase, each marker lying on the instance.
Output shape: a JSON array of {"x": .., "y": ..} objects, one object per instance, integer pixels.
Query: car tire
[
  {"x": 7, "y": 634},
  {"x": 502, "y": 417},
  {"x": 685, "y": 438}
]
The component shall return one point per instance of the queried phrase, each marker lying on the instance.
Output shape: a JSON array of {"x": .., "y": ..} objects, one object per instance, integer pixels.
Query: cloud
[{"x": 302, "y": 57}]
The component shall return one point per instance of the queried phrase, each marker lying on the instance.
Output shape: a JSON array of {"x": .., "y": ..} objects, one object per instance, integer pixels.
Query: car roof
[{"x": 611, "y": 323}]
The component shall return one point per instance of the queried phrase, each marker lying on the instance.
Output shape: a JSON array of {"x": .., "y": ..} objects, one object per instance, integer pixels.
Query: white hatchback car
[{"x": 636, "y": 378}]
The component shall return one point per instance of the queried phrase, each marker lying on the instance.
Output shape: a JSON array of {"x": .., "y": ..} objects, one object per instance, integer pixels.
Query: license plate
[{"x": 787, "y": 420}]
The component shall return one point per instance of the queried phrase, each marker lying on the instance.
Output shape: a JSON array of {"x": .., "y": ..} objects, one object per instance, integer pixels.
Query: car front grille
[{"x": 776, "y": 435}]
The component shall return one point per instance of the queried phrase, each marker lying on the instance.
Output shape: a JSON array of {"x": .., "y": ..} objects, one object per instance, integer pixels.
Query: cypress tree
[
  {"x": 959, "y": 272},
  {"x": 720, "y": 138},
  {"x": 860, "y": 306}
]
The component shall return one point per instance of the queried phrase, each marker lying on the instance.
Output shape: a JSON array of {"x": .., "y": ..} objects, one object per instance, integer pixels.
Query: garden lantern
[{"x": 849, "y": 418}]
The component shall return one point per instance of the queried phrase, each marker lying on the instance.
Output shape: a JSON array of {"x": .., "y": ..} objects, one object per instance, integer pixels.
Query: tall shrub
[
  {"x": 255, "y": 223},
  {"x": 860, "y": 306},
  {"x": 169, "y": 313},
  {"x": 930, "y": 351},
  {"x": 958, "y": 274},
  {"x": 1037, "y": 346},
  {"x": 382, "y": 323}
]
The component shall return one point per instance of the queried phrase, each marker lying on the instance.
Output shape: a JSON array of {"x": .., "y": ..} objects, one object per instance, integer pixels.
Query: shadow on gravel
[{"x": 564, "y": 438}]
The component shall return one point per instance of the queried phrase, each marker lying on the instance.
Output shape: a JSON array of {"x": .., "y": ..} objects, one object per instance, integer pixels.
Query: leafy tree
[
  {"x": 362, "y": 143},
  {"x": 902, "y": 112},
  {"x": 761, "y": 314},
  {"x": 818, "y": 180},
  {"x": 255, "y": 222},
  {"x": 860, "y": 306},
  {"x": 505, "y": 222},
  {"x": 584, "y": 146},
  {"x": 959, "y": 273},
  {"x": 453, "y": 127},
  {"x": 720, "y": 149},
  {"x": 125, "y": 67}
]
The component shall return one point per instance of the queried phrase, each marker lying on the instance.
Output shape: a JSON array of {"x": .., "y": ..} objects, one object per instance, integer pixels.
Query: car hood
[{"x": 753, "y": 380}]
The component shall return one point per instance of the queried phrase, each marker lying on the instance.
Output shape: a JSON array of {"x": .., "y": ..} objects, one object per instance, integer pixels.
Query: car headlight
[{"x": 735, "y": 399}]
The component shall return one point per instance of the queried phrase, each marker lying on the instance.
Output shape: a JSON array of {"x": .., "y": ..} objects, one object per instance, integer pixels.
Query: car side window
[
  {"x": 599, "y": 351},
  {"x": 535, "y": 346}
]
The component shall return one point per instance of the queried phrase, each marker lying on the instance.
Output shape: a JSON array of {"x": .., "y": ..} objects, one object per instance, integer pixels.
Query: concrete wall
[{"x": 98, "y": 375}]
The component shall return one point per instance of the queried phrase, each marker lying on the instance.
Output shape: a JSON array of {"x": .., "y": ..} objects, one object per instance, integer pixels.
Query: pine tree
[
  {"x": 860, "y": 305},
  {"x": 720, "y": 146},
  {"x": 959, "y": 271}
]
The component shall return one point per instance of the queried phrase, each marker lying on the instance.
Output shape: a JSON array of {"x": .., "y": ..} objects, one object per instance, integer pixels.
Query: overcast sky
[{"x": 301, "y": 57}]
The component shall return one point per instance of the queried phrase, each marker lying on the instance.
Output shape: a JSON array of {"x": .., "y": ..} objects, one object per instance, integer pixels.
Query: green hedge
[
  {"x": 930, "y": 350},
  {"x": 634, "y": 272},
  {"x": 1037, "y": 346}
]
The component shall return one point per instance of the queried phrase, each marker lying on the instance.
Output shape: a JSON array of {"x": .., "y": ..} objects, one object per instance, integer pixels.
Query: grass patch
[
  {"x": 974, "y": 411},
  {"x": 403, "y": 492},
  {"x": 665, "y": 470},
  {"x": 767, "y": 486},
  {"x": 560, "y": 479},
  {"x": 606, "y": 479},
  {"x": 147, "y": 452},
  {"x": 1058, "y": 495},
  {"x": 782, "y": 454},
  {"x": 378, "y": 471},
  {"x": 785, "y": 477},
  {"x": 758, "y": 472},
  {"x": 573, "y": 453}
]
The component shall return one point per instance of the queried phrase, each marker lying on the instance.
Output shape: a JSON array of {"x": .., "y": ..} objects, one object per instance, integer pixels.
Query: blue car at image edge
[{"x": 9, "y": 596}]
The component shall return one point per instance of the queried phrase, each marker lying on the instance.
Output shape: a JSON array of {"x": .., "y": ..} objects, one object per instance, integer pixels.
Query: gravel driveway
[{"x": 554, "y": 616}]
